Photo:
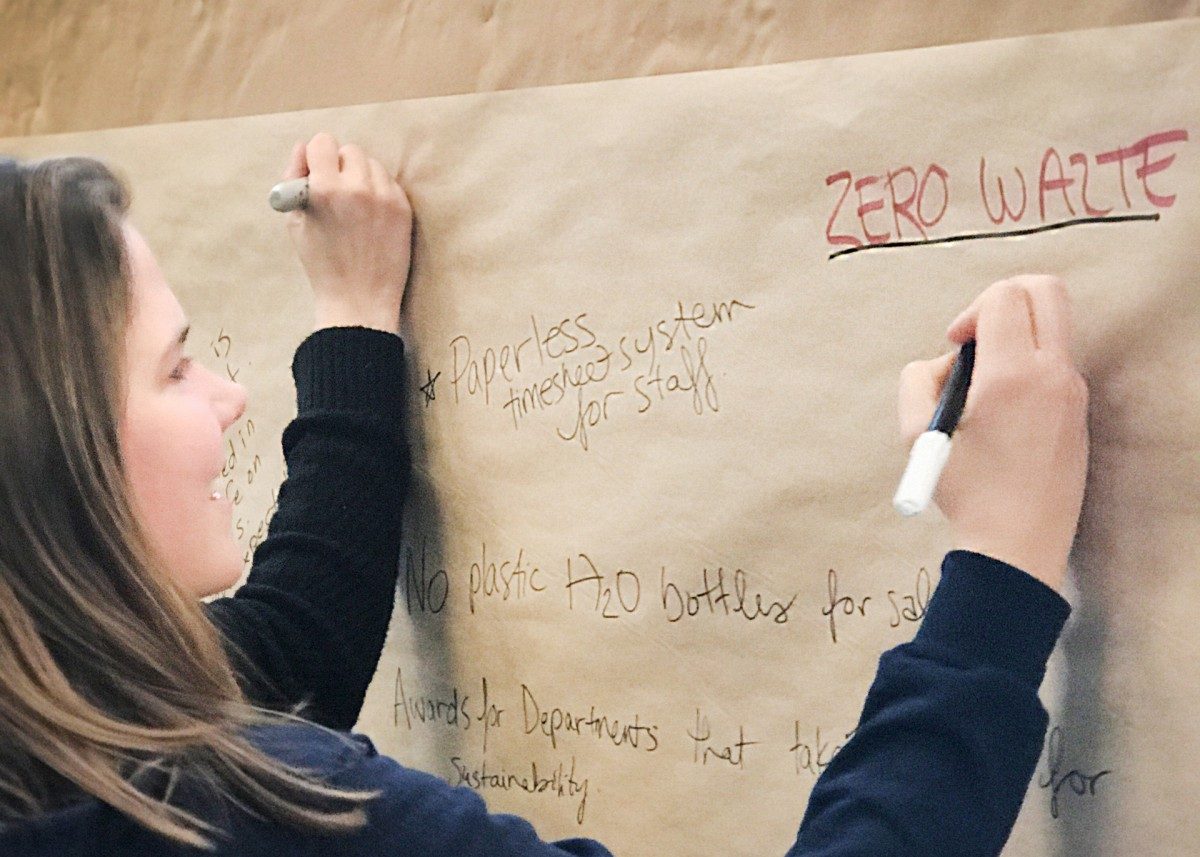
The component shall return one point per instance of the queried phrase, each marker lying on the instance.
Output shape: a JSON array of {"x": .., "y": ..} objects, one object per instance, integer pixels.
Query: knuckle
[
  {"x": 1079, "y": 387},
  {"x": 1061, "y": 382},
  {"x": 1049, "y": 285},
  {"x": 1000, "y": 384},
  {"x": 1007, "y": 291},
  {"x": 1061, "y": 378},
  {"x": 318, "y": 192},
  {"x": 360, "y": 192},
  {"x": 1000, "y": 295},
  {"x": 1047, "y": 282},
  {"x": 396, "y": 203}
]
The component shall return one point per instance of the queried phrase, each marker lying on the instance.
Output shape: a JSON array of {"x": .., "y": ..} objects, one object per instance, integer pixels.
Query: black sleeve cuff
[
  {"x": 987, "y": 612},
  {"x": 350, "y": 369}
]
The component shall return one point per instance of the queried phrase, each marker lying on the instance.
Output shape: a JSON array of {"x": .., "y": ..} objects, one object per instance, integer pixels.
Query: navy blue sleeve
[
  {"x": 310, "y": 621},
  {"x": 952, "y": 727}
]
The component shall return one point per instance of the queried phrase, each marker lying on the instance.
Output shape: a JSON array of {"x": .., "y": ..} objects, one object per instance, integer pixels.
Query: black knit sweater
[{"x": 310, "y": 620}]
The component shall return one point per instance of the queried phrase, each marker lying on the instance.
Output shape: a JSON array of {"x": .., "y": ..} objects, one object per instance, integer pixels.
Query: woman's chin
[{"x": 223, "y": 575}]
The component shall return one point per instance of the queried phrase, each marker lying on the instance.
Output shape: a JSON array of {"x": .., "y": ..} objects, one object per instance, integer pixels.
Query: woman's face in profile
[{"x": 175, "y": 414}]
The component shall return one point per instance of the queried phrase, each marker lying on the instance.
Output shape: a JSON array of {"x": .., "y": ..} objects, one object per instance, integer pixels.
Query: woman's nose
[{"x": 231, "y": 402}]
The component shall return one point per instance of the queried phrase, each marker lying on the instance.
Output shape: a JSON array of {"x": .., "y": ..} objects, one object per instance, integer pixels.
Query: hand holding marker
[
  {"x": 1014, "y": 485},
  {"x": 351, "y": 224},
  {"x": 932, "y": 448}
]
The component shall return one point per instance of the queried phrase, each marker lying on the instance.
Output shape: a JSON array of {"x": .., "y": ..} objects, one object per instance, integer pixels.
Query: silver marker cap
[{"x": 290, "y": 195}]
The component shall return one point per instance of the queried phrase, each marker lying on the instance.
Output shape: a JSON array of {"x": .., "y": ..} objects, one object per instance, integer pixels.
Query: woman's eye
[{"x": 181, "y": 370}]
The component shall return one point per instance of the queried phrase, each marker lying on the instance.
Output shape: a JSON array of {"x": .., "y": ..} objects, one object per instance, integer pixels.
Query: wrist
[
  {"x": 1047, "y": 566},
  {"x": 339, "y": 314}
]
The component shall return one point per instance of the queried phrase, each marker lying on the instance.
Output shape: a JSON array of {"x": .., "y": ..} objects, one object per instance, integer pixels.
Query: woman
[{"x": 134, "y": 720}]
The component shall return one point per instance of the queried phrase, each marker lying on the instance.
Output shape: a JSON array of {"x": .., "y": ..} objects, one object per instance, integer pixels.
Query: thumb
[{"x": 921, "y": 384}]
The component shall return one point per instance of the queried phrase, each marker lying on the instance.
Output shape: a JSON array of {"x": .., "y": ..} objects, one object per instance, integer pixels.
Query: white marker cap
[
  {"x": 290, "y": 195},
  {"x": 920, "y": 478}
]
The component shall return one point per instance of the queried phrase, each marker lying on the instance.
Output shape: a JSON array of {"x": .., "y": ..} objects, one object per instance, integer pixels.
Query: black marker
[{"x": 932, "y": 448}]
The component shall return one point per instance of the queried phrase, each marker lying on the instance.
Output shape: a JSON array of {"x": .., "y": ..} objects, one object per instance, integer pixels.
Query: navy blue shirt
[{"x": 939, "y": 764}]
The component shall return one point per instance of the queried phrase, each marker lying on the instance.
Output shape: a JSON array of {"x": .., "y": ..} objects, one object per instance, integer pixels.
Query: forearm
[{"x": 952, "y": 727}]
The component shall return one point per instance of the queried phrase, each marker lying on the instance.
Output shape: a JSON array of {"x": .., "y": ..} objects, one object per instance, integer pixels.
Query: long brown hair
[{"x": 111, "y": 676}]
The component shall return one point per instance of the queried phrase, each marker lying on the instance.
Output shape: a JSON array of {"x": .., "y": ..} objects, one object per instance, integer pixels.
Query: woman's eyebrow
[{"x": 179, "y": 341}]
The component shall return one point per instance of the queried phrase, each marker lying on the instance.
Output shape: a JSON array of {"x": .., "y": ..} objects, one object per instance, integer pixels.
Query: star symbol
[{"x": 428, "y": 387}]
